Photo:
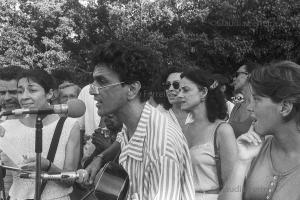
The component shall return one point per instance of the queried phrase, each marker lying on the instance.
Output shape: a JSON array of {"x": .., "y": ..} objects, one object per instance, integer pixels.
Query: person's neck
[
  {"x": 287, "y": 139},
  {"x": 130, "y": 115},
  {"x": 199, "y": 113},
  {"x": 30, "y": 120},
  {"x": 176, "y": 108},
  {"x": 246, "y": 91}
]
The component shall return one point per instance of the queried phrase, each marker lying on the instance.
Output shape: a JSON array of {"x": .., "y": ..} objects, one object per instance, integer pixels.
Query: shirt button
[
  {"x": 270, "y": 190},
  {"x": 272, "y": 183},
  {"x": 275, "y": 177},
  {"x": 268, "y": 197}
]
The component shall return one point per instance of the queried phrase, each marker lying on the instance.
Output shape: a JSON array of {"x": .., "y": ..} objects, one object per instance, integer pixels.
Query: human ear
[
  {"x": 50, "y": 94},
  {"x": 286, "y": 108},
  {"x": 133, "y": 90},
  {"x": 203, "y": 92}
]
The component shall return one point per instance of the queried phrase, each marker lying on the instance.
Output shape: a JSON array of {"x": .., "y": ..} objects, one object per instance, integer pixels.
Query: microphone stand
[{"x": 38, "y": 151}]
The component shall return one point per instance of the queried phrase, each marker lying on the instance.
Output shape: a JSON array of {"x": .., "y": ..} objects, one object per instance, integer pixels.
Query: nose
[
  {"x": 7, "y": 96},
  {"x": 171, "y": 87},
  {"x": 92, "y": 90},
  {"x": 23, "y": 95},
  {"x": 250, "y": 105},
  {"x": 180, "y": 95}
]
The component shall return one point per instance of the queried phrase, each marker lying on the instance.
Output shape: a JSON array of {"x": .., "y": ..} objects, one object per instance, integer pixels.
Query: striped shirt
[{"x": 157, "y": 159}]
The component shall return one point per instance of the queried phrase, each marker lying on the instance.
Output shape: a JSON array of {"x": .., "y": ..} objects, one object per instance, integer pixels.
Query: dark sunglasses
[
  {"x": 175, "y": 85},
  {"x": 236, "y": 74}
]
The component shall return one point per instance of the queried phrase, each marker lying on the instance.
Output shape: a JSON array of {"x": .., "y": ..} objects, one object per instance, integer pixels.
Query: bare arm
[
  {"x": 228, "y": 149},
  {"x": 249, "y": 145},
  {"x": 71, "y": 157},
  {"x": 72, "y": 154},
  {"x": 73, "y": 149},
  {"x": 233, "y": 188}
]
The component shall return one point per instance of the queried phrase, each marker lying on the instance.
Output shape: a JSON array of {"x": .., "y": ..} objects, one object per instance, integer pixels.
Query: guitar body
[{"x": 111, "y": 183}]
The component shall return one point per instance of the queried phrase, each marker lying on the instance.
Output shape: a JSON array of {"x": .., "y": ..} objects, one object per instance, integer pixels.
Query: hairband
[{"x": 214, "y": 85}]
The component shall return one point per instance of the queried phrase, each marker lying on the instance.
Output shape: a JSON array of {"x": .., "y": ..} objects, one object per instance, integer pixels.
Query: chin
[
  {"x": 260, "y": 130},
  {"x": 185, "y": 108}
]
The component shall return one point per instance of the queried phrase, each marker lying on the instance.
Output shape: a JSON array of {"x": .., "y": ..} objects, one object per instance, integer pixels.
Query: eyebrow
[
  {"x": 29, "y": 85},
  {"x": 100, "y": 78}
]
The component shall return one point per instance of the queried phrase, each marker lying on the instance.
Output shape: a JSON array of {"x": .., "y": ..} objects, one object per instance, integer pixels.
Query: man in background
[
  {"x": 8, "y": 88},
  {"x": 8, "y": 101},
  {"x": 240, "y": 118},
  {"x": 68, "y": 91}
]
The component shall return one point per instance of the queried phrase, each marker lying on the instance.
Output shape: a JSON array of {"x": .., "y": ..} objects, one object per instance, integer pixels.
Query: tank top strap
[{"x": 212, "y": 135}]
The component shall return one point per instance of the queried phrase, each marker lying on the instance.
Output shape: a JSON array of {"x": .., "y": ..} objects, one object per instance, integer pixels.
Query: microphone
[
  {"x": 54, "y": 176},
  {"x": 74, "y": 108}
]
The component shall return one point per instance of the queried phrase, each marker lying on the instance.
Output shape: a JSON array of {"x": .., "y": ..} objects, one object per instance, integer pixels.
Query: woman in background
[
  {"x": 35, "y": 89},
  {"x": 200, "y": 95},
  {"x": 269, "y": 167},
  {"x": 171, "y": 102}
]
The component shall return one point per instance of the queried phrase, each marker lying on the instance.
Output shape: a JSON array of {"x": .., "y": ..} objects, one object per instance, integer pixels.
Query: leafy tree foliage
[{"x": 215, "y": 34}]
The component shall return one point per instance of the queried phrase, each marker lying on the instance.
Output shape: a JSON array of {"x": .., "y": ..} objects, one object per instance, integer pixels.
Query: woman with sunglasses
[
  {"x": 268, "y": 162},
  {"x": 35, "y": 89},
  {"x": 171, "y": 102},
  {"x": 211, "y": 140}
]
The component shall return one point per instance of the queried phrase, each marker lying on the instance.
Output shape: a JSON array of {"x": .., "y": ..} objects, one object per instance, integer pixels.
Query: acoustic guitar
[{"x": 111, "y": 183}]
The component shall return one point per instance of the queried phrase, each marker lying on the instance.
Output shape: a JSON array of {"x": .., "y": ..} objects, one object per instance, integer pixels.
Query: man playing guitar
[{"x": 154, "y": 152}]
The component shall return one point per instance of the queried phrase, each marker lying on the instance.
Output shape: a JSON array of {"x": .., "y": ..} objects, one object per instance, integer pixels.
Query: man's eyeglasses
[
  {"x": 168, "y": 84},
  {"x": 236, "y": 74},
  {"x": 96, "y": 89}
]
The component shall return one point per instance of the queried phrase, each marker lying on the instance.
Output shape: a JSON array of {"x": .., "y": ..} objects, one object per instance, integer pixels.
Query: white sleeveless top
[
  {"x": 23, "y": 139},
  {"x": 204, "y": 169}
]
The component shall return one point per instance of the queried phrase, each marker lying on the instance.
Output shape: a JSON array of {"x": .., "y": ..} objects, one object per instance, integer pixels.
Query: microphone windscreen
[{"x": 76, "y": 108}]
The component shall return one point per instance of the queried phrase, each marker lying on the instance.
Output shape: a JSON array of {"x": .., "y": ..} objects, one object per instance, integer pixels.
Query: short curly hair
[
  {"x": 131, "y": 62},
  {"x": 39, "y": 76}
]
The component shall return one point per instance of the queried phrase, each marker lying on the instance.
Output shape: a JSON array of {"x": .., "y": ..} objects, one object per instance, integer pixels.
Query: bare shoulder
[{"x": 225, "y": 132}]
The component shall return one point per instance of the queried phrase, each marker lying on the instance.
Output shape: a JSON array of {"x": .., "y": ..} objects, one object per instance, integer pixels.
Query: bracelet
[{"x": 49, "y": 166}]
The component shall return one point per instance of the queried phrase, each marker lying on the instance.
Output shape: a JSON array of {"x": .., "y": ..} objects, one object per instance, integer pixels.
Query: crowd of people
[{"x": 193, "y": 142}]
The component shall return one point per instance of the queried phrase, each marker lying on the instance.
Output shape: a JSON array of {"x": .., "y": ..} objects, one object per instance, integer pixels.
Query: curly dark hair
[
  {"x": 215, "y": 102},
  {"x": 131, "y": 62},
  {"x": 172, "y": 69},
  {"x": 39, "y": 76},
  {"x": 279, "y": 81}
]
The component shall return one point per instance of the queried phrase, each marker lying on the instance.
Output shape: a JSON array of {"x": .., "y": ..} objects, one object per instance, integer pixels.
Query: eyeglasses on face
[
  {"x": 168, "y": 84},
  {"x": 236, "y": 74},
  {"x": 96, "y": 89}
]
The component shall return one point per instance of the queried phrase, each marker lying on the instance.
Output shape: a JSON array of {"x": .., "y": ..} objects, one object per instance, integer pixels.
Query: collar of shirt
[{"x": 134, "y": 147}]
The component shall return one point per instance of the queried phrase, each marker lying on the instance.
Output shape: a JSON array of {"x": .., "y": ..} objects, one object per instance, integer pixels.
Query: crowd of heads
[
  {"x": 58, "y": 86},
  {"x": 131, "y": 64}
]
